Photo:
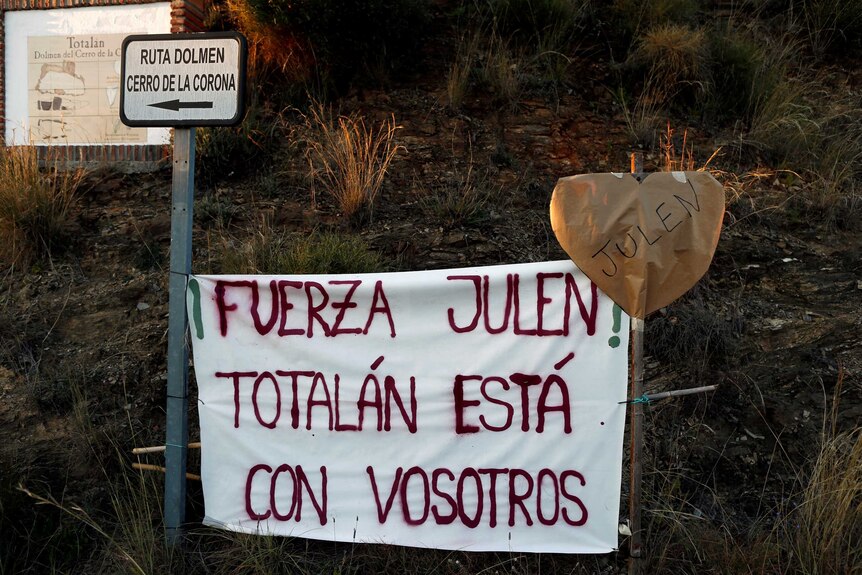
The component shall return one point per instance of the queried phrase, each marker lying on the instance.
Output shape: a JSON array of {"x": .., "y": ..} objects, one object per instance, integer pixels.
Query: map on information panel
[{"x": 74, "y": 90}]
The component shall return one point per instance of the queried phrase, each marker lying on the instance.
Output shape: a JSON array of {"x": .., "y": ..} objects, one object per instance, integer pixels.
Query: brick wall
[{"x": 186, "y": 16}]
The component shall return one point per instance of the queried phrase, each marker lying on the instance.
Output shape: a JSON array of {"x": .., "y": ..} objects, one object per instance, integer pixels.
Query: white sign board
[
  {"x": 183, "y": 80},
  {"x": 62, "y": 72},
  {"x": 475, "y": 409}
]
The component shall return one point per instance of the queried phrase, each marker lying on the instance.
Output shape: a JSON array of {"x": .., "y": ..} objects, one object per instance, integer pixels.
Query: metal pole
[
  {"x": 636, "y": 421},
  {"x": 177, "y": 433}
]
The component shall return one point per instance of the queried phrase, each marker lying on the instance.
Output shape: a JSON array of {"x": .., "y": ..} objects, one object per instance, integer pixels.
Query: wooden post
[{"x": 636, "y": 421}]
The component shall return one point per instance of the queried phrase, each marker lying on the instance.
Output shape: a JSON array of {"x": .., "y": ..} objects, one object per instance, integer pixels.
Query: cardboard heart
[{"x": 644, "y": 243}]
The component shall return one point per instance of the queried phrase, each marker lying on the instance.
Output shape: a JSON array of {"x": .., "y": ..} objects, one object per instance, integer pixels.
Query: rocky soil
[{"x": 776, "y": 322}]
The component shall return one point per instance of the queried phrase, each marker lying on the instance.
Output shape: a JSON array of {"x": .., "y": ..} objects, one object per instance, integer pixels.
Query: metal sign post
[
  {"x": 181, "y": 81},
  {"x": 177, "y": 432}
]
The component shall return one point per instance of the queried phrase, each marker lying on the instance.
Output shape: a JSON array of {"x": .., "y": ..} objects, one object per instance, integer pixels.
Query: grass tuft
[
  {"x": 832, "y": 24},
  {"x": 267, "y": 251},
  {"x": 347, "y": 159},
  {"x": 825, "y": 529},
  {"x": 461, "y": 70},
  {"x": 674, "y": 54},
  {"x": 692, "y": 333},
  {"x": 34, "y": 204},
  {"x": 225, "y": 152},
  {"x": 501, "y": 71},
  {"x": 465, "y": 200}
]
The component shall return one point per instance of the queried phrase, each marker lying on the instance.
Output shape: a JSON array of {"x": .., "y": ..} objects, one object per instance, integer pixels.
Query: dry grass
[
  {"x": 676, "y": 161},
  {"x": 465, "y": 199},
  {"x": 836, "y": 168},
  {"x": 674, "y": 54},
  {"x": 271, "y": 49},
  {"x": 34, "y": 203},
  {"x": 501, "y": 71},
  {"x": 347, "y": 159},
  {"x": 823, "y": 532},
  {"x": 793, "y": 129},
  {"x": 826, "y": 528},
  {"x": 642, "y": 116},
  {"x": 85, "y": 519},
  {"x": 831, "y": 23},
  {"x": 265, "y": 250},
  {"x": 461, "y": 70}
]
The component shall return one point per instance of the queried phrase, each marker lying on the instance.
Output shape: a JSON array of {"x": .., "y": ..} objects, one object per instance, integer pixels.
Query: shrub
[
  {"x": 34, "y": 203},
  {"x": 693, "y": 334},
  {"x": 671, "y": 60},
  {"x": 832, "y": 24},
  {"x": 550, "y": 23},
  {"x": 779, "y": 119},
  {"x": 224, "y": 152},
  {"x": 348, "y": 159},
  {"x": 464, "y": 200},
  {"x": 280, "y": 61},
  {"x": 674, "y": 56},
  {"x": 501, "y": 72},
  {"x": 831, "y": 161},
  {"x": 215, "y": 210},
  {"x": 735, "y": 62},
  {"x": 628, "y": 18},
  {"x": 267, "y": 251},
  {"x": 349, "y": 41},
  {"x": 838, "y": 166}
]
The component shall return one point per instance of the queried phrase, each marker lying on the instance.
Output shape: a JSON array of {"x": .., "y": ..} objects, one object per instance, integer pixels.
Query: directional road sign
[{"x": 183, "y": 80}]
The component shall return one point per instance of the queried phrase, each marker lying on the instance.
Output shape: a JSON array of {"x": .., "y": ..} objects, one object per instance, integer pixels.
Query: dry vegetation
[
  {"x": 746, "y": 93},
  {"x": 34, "y": 204}
]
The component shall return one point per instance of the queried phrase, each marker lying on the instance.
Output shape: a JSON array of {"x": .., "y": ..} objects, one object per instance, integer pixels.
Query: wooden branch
[
  {"x": 160, "y": 448},
  {"x": 678, "y": 392},
  {"x": 150, "y": 467}
]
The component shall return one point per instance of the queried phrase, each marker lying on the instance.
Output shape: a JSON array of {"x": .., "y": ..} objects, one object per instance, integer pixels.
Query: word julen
[{"x": 471, "y": 496}]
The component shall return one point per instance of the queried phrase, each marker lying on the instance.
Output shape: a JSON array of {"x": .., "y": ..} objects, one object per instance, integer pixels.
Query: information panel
[
  {"x": 62, "y": 72},
  {"x": 74, "y": 86},
  {"x": 183, "y": 80}
]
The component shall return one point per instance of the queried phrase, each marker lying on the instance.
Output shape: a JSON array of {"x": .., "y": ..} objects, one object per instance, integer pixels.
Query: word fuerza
[{"x": 198, "y": 82}]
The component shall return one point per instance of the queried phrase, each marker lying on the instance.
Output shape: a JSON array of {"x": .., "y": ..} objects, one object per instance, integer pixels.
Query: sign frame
[{"x": 186, "y": 38}]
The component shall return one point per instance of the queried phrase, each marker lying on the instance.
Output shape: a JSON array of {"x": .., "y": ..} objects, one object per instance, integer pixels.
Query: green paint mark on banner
[
  {"x": 195, "y": 288},
  {"x": 614, "y": 340}
]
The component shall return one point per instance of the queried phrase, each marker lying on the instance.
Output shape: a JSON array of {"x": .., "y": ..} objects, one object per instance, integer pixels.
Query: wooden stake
[
  {"x": 679, "y": 392},
  {"x": 636, "y": 422},
  {"x": 151, "y": 467},
  {"x": 160, "y": 448}
]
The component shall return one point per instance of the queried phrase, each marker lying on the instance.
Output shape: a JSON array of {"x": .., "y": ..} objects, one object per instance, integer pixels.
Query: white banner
[{"x": 474, "y": 409}]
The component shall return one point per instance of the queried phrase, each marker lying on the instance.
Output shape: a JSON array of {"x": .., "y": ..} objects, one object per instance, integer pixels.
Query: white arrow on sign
[{"x": 183, "y": 80}]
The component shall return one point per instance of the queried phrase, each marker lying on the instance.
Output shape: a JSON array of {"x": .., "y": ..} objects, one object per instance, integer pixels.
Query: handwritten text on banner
[{"x": 472, "y": 409}]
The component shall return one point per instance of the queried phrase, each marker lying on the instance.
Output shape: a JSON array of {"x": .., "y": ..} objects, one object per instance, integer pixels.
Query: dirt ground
[{"x": 776, "y": 323}]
